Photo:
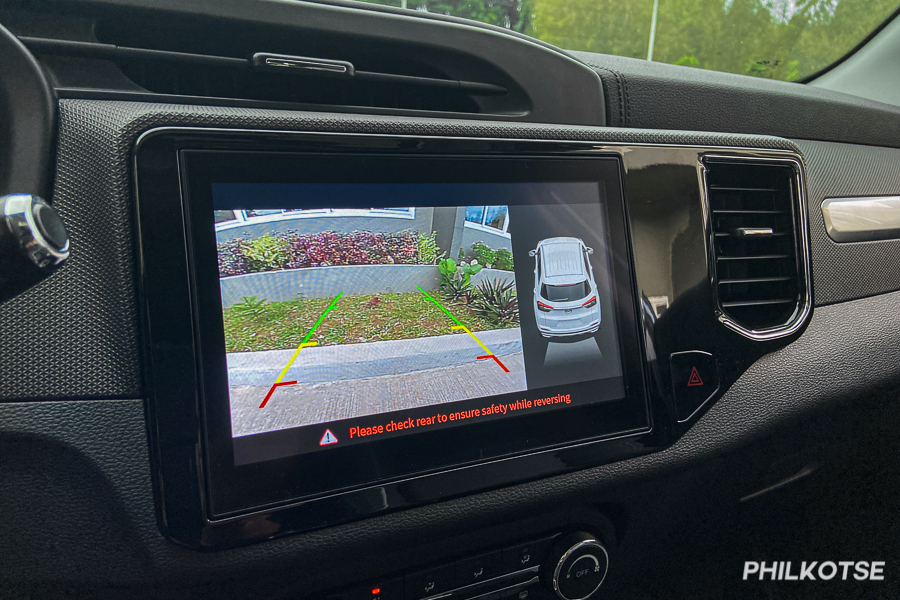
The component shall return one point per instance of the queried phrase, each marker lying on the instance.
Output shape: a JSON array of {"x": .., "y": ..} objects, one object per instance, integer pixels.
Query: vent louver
[{"x": 756, "y": 230}]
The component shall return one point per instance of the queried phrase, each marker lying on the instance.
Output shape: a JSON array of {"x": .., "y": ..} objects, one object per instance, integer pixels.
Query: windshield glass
[
  {"x": 565, "y": 293},
  {"x": 779, "y": 39}
]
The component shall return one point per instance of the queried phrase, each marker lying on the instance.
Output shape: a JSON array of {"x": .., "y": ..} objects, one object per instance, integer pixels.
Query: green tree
[
  {"x": 777, "y": 39},
  {"x": 510, "y": 14}
]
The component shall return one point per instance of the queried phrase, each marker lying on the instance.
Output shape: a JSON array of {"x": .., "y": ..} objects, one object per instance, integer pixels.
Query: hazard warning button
[{"x": 694, "y": 380}]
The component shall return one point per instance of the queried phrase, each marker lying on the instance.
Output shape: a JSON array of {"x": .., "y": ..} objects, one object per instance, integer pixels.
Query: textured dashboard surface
[
  {"x": 655, "y": 95},
  {"x": 850, "y": 270},
  {"x": 76, "y": 334},
  {"x": 77, "y": 475}
]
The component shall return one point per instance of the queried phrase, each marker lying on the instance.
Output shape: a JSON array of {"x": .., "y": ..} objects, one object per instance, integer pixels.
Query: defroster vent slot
[{"x": 276, "y": 78}]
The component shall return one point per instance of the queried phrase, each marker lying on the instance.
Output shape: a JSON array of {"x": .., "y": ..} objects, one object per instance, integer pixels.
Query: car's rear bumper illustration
[{"x": 555, "y": 332}]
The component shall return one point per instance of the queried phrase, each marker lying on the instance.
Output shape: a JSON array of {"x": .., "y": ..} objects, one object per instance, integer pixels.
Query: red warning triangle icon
[
  {"x": 328, "y": 438},
  {"x": 694, "y": 379}
]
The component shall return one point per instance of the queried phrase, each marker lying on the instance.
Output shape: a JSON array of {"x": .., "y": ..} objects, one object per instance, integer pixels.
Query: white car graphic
[{"x": 565, "y": 293}]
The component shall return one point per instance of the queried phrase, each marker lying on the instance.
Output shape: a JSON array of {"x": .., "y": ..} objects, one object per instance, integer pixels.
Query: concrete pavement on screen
[
  {"x": 320, "y": 364},
  {"x": 352, "y": 380}
]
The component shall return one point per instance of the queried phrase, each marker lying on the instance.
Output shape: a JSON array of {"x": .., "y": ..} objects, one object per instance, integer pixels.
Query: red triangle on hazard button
[
  {"x": 694, "y": 379},
  {"x": 328, "y": 439}
]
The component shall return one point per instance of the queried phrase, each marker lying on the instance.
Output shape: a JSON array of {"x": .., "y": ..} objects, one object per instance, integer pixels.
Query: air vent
[
  {"x": 757, "y": 231},
  {"x": 277, "y": 78}
]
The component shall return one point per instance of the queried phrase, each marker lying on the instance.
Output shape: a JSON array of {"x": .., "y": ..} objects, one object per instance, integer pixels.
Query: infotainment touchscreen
[{"x": 364, "y": 311}]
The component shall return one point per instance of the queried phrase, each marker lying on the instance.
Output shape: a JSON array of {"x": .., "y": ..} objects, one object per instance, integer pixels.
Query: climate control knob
[{"x": 577, "y": 566}]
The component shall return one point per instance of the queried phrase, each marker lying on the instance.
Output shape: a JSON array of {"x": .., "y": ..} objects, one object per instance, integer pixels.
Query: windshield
[
  {"x": 778, "y": 39},
  {"x": 565, "y": 293}
]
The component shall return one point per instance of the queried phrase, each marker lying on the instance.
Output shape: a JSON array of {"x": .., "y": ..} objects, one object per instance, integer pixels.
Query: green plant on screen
[{"x": 497, "y": 301}]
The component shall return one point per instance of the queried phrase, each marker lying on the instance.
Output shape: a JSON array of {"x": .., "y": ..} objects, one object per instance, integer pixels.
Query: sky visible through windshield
[{"x": 777, "y": 39}]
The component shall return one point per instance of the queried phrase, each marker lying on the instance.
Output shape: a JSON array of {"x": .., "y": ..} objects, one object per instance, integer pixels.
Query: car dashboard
[{"x": 357, "y": 304}]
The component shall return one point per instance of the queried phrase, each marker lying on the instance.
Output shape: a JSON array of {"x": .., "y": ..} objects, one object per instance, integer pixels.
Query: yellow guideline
[
  {"x": 290, "y": 362},
  {"x": 466, "y": 329}
]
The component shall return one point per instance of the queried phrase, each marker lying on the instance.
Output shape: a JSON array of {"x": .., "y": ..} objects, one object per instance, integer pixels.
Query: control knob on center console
[{"x": 576, "y": 566}]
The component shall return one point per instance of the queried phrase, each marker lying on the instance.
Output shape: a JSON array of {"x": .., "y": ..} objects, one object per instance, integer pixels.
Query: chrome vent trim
[{"x": 774, "y": 267}]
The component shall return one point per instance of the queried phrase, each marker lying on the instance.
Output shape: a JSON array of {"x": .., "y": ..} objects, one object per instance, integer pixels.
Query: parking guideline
[
  {"x": 303, "y": 344},
  {"x": 466, "y": 329}
]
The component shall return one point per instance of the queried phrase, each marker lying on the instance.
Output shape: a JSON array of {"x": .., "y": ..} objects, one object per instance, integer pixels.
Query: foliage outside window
[{"x": 777, "y": 39}]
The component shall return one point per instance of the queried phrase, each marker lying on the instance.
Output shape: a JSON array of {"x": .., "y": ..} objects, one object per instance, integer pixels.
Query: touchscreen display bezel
[{"x": 235, "y": 488}]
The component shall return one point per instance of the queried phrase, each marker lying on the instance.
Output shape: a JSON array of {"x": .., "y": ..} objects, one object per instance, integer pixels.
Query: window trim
[{"x": 488, "y": 228}]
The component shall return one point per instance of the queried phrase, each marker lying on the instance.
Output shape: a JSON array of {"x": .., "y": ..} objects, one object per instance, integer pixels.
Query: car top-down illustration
[{"x": 565, "y": 293}]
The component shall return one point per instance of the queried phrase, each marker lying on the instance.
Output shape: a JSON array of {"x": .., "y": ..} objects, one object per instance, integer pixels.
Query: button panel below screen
[{"x": 510, "y": 572}]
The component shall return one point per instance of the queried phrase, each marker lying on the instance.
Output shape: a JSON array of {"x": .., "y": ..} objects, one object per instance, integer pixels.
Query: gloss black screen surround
[{"x": 405, "y": 467}]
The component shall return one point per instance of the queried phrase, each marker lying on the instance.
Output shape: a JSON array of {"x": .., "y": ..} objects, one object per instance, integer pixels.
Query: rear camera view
[{"x": 340, "y": 313}]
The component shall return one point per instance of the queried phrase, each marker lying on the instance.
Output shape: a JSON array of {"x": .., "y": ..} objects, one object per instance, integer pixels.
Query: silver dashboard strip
[
  {"x": 305, "y": 64},
  {"x": 863, "y": 219}
]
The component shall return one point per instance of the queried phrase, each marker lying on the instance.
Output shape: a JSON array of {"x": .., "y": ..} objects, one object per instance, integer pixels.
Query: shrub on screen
[
  {"x": 233, "y": 258},
  {"x": 504, "y": 260},
  {"x": 497, "y": 301},
  {"x": 456, "y": 280},
  {"x": 250, "y": 306},
  {"x": 267, "y": 253},
  {"x": 501, "y": 258},
  {"x": 484, "y": 255},
  {"x": 326, "y": 249},
  {"x": 429, "y": 252}
]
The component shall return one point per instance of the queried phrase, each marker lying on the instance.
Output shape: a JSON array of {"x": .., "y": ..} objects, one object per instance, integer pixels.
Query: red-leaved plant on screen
[{"x": 330, "y": 248}]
